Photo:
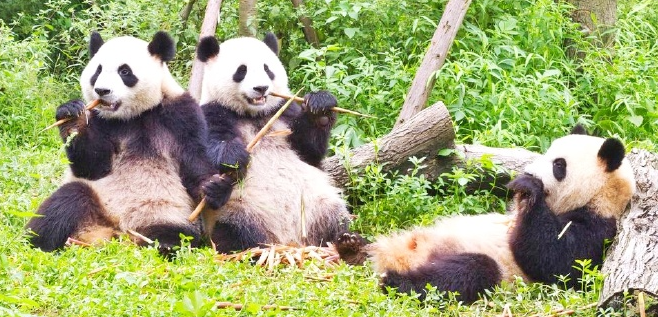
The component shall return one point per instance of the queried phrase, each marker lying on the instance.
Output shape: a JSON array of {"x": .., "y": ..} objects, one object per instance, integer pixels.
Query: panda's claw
[
  {"x": 218, "y": 190},
  {"x": 70, "y": 109},
  {"x": 529, "y": 187},
  {"x": 350, "y": 248},
  {"x": 320, "y": 102}
]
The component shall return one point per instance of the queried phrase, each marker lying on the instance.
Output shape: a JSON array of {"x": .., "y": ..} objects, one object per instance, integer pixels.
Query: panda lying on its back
[
  {"x": 280, "y": 192},
  {"x": 138, "y": 160},
  {"x": 565, "y": 206}
]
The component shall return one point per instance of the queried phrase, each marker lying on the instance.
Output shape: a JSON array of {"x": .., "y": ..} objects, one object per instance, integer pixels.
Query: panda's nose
[
  {"x": 102, "y": 91},
  {"x": 261, "y": 89}
]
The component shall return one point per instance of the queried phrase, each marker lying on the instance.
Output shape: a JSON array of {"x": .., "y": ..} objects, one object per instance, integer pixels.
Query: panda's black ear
[
  {"x": 208, "y": 48},
  {"x": 579, "y": 129},
  {"x": 272, "y": 42},
  {"x": 162, "y": 46},
  {"x": 612, "y": 153},
  {"x": 95, "y": 43}
]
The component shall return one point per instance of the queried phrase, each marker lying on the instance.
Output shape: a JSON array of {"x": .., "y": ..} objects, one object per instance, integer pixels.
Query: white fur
[
  {"x": 486, "y": 234},
  {"x": 218, "y": 84},
  {"x": 278, "y": 186},
  {"x": 586, "y": 182},
  {"x": 154, "y": 80}
]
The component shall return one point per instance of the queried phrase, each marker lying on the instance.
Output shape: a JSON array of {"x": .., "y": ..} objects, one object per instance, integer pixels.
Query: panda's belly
[
  {"x": 279, "y": 188},
  {"x": 487, "y": 234},
  {"x": 142, "y": 191}
]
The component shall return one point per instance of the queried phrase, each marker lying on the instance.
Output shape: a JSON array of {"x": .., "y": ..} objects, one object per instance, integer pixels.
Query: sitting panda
[
  {"x": 137, "y": 161},
  {"x": 280, "y": 195},
  {"x": 565, "y": 207}
]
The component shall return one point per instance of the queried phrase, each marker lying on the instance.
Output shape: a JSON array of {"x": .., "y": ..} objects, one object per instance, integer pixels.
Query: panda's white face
[
  {"x": 574, "y": 175},
  {"x": 243, "y": 75},
  {"x": 126, "y": 78}
]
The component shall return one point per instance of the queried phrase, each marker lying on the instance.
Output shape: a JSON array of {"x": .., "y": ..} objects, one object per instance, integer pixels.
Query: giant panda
[
  {"x": 137, "y": 161},
  {"x": 280, "y": 194},
  {"x": 564, "y": 208}
]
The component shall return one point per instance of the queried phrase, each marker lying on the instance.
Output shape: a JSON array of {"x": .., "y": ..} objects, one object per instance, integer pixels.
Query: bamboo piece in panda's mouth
[
  {"x": 202, "y": 204},
  {"x": 93, "y": 104},
  {"x": 334, "y": 109}
]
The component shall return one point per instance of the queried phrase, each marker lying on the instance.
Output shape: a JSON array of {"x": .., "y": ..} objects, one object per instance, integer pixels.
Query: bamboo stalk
[
  {"x": 334, "y": 109},
  {"x": 202, "y": 204},
  {"x": 88, "y": 107}
]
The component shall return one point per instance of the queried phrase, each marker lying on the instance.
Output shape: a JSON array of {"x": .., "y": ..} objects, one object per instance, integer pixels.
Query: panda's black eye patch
[
  {"x": 94, "y": 77},
  {"x": 126, "y": 73},
  {"x": 270, "y": 74},
  {"x": 240, "y": 73},
  {"x": 559, "y": 169}
]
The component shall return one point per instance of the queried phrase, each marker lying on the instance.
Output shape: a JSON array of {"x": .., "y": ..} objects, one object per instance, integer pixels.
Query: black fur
[
  {"x": 207, "y": 48},
  {"x": 226, "y": 149},
  {"x": 95, "y": 43},
  {"x": 94, "y": 77},
  {"x": 350, "y": 248},
  {"x": 92, "y": 150},
  {"x": 126, "y": 73},
  {"x": 162, "y": 46},
  {"x": 579, "y": 129},
  {"x": 240, "y": 73},
  {"x": 68, "y": 209},
  {"x": 534, "y": 241},
  {"x": 239, "y": 235},
  {"x": 612, "y": 152},
  {"x": 270, "y": 74},
  {"x": 272, "y": 42},
  {"x": 560, "y": 169},
  {"x": 218, "y": 189},
  {"x": 469, "y": 274},
  {"x": 312, "y": 128}
]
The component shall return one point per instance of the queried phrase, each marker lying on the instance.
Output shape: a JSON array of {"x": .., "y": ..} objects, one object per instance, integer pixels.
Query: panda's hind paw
[{"x": 350, "y": 247}]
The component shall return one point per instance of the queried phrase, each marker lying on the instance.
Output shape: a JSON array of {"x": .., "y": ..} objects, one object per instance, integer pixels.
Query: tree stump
[{"x": 632, "y": 261}]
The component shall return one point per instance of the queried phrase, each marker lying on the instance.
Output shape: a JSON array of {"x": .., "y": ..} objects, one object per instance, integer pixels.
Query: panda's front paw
[
  {"x": 528, "y": 187},
  {"x": 218, "y": 190},
  {"x": 71, "y": 109},
  {"x": 319, "y": 104}
]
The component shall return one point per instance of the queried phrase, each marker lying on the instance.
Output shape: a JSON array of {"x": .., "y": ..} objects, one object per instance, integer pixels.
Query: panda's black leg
[
  {"x": 168, "y": 236},
  {"x": 469, "y": 274},
  {"x": 64, "y": 213},
  {"x": 350, "y": 247},
  {"x": 229, "y": 237}
]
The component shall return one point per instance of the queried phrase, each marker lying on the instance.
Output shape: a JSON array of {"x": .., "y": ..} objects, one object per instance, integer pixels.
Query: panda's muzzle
[
  {"x": 258, "y": 101},
  {"x": 111, "y": 106}
]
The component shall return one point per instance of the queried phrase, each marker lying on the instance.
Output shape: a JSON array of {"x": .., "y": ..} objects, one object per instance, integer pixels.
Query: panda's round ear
[
  {"x": 272, "y": 42},
  {"x": 162, "y": 46},
  {"x": 612, "y": 153},
  {"x": 579, "y": 129},
  {"x": 95, "y": 43},
  {"x": 207, "y": 48}
]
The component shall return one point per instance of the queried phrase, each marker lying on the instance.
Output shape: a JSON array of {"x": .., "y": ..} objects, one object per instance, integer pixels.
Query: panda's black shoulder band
[
  {"x": 163, "y": 46},
  {"x": 612, "y": 152},
  {"x": 95, "y": 43},
  {"x": 208, "y": 48}
]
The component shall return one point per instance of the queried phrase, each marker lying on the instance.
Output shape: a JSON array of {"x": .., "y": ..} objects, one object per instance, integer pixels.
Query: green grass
[{"x": 507, "y": 82}]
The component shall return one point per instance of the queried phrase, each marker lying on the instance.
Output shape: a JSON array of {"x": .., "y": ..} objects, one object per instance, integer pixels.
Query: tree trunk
[
  {"x": 442, "y": 40},
  {"x": 309, "y": 32},
  {"x": 248, "y": 18},
  {"x": 632, "y": 261},
  {"x": 596, "y": 17},
  {"x": 185, "y": 14},
  {"x": 208, "y": 28},
  {"x": 422, "y": 136}
]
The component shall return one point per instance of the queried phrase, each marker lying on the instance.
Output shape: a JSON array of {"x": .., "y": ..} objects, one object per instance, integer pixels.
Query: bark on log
[
  {"x": 422, "y": 136},
  {"x": 445, "y": 33},
  {"x": 309, "y": 32},
  {"x": 208, "y": 28},
  {"x": 632, "y": 260},
  {"x": 596, "y": 17},
  {"x": 185, "y": 13}
]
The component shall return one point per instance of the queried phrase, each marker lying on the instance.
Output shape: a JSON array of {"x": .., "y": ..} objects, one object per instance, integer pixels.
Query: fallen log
[{"x": 631, "y": 264}]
